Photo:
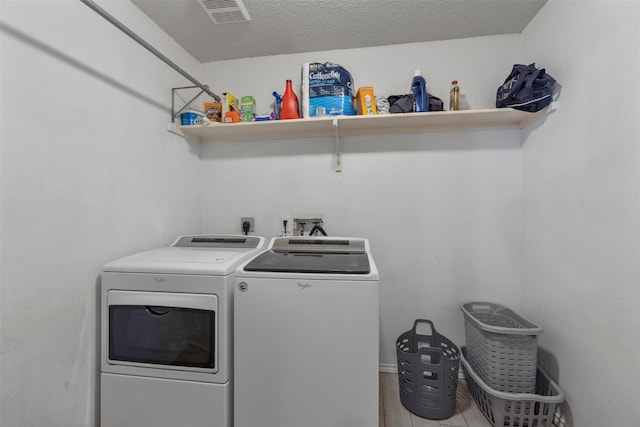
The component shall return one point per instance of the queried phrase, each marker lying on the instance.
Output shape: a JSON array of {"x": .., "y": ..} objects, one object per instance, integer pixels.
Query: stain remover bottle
[{"x": 419, "y": 90}]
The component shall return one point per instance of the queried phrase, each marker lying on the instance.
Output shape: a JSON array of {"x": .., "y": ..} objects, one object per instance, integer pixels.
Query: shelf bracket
[
  {"x": 336, "y": 130},
  {"x": 175, "y": 113}
]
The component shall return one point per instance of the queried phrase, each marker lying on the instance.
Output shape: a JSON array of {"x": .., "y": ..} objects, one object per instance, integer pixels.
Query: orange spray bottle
[{"x": 290, "y": 108}]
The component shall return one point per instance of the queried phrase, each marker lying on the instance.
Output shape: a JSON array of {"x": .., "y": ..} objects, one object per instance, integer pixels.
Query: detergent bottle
[
  {"x": 419, "y": 90},
  {"x": 290, "y": 108}
]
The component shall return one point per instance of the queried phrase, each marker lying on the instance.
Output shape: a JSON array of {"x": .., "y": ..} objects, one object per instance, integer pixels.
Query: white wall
[
  {"x": 581, "y": 205},
  {"x": 442, "y": 210},
  {"x": 88, "y": 174}
]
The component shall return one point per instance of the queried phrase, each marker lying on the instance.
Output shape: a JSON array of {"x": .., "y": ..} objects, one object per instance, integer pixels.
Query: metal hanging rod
[{"x": 147, "y": 46}]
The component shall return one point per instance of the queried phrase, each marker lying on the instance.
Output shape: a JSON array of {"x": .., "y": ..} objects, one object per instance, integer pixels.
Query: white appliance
[
  {"x": 306, "y": 335},
  {"x": 166, "y": 333}
]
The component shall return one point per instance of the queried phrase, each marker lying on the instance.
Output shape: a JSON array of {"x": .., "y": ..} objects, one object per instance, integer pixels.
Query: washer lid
[
  {"x": 313, "y": 255},
  {"x": 213, "y": 255}
]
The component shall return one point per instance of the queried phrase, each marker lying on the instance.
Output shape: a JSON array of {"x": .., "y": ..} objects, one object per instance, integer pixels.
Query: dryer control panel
[{"x": 216, "y": 241}]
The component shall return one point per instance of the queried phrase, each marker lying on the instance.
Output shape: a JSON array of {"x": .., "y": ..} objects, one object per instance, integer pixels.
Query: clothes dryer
[
  {"x": 306, "y": 335},
  {"x": 166, "y": 333}
]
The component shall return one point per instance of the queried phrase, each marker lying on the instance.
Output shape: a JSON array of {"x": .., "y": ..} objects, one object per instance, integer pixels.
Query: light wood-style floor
[{"x": 393, "y": 414}]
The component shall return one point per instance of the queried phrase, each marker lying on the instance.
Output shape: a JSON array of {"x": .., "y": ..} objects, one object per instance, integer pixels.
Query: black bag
[
  {"x": 527, "y": 88},
  {"x": 406, "y": 104},
  {"x": 435, "y": 103},
  {"x": 401, "y": 103}
]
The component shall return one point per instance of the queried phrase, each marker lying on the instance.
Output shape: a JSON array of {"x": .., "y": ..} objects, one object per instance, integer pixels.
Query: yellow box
[
  {"x": 366, "y": 101},
  {"x": 229, "y": 103}
]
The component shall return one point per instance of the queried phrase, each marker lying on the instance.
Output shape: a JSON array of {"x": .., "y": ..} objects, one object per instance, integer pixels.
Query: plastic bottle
[
  {"x": 454, "y": 96},
  {"x": 290, "y": 108},
  {"x": 419, "y": 89},
  {"x": 277, "y": 105}
]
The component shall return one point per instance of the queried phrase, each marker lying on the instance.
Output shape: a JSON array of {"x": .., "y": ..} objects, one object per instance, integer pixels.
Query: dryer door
[{"x": 162, "y": 330}]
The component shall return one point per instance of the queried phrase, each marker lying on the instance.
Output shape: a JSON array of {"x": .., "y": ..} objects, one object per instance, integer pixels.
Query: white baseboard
[{"x": 388, "y": 368}]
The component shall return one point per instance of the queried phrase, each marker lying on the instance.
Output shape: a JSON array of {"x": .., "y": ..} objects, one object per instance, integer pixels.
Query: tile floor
[{"x": 393, "y": 414}]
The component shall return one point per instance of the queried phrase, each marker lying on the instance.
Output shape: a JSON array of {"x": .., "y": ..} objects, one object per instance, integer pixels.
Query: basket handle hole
[
  {"x": 428, "y": 375},
  {"x": 430, "y": 358}
]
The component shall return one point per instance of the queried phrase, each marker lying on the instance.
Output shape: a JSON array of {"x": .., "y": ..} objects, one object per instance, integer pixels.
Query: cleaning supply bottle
[
  {"x": 454, "y": 96},
  {"x": 290, "y": 109},
  {"x": 419, "y": 90},
  {"x": 277, "y": 105}
]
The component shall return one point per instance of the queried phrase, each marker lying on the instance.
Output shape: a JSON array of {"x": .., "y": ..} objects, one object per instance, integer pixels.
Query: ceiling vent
[{"x": 225, "y": 11}]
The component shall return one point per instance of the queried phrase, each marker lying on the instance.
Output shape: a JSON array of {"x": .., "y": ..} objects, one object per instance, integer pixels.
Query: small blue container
[{"x": 188, "y": 119}]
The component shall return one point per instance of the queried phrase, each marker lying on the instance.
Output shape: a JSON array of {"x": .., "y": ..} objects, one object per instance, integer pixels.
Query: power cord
[
  {"x": 316, "y": 228},
  {"x": 246, "y": 225}
]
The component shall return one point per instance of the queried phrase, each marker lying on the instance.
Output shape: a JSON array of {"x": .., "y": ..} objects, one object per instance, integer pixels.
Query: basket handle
[
  {"x": 432, "y": 329},
  {"x": 482, "y": 306},
  {"x": 433, "y": 352},
  {"x": 435, "y": 355}
]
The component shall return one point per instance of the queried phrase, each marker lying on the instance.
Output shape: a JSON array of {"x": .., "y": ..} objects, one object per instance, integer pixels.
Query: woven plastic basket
[
  {"x": 502, "y": 347},
  {"x": 515, "y": 409},
  {"x": 428, "y": 366}
]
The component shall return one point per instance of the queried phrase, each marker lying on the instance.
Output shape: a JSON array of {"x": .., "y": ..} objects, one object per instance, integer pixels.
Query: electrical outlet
[
  {"x": 251, "y": 222},
  {"x": 302, "y": 225},
  {"x": 286, "y": 230}
]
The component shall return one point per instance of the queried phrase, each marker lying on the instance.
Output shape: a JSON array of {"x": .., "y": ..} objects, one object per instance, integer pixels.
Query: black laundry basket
[{"x": 427, "y": 372}]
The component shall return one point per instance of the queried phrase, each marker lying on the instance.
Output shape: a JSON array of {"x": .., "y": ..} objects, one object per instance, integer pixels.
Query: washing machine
[
  {"x": 166, "y": 333},
  {"x": 306, "y": 328}
]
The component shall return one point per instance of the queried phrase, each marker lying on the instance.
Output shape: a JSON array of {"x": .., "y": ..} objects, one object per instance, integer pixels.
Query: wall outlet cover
[{"x": 248, "y": 219}]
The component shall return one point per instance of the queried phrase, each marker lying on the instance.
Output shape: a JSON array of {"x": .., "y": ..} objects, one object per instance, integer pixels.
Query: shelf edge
[{"x": 357, "y": 125}]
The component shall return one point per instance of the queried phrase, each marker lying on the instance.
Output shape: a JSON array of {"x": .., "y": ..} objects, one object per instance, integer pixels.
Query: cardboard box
[
  {"x": 231, "y": 117},
  {"x": 366, "y": 101},
  {"x": 229, "y": 104},
  {"x": 247, "y": 108},
  {"x": 213, "y": 110}
]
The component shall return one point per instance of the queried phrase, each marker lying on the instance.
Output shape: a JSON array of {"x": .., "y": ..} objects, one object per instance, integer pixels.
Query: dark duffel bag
[{"x": 527, "y": 88}]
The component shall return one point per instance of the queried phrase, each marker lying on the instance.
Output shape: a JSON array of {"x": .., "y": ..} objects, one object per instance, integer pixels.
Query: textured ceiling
[{"x": 294, "y": 26}]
